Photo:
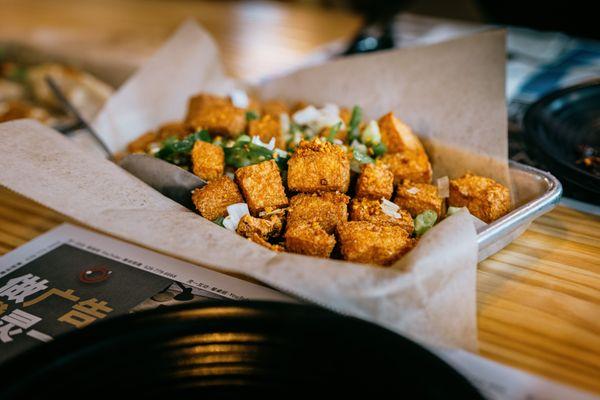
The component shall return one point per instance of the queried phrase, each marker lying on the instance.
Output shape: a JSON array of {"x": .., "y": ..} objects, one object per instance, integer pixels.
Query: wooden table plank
[{"x": 538, "y": 299}]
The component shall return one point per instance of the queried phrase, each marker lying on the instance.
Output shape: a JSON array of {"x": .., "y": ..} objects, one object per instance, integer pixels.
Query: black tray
[
  {"x": 228, "y": 350},
  {"x": 555, "y": 125}
]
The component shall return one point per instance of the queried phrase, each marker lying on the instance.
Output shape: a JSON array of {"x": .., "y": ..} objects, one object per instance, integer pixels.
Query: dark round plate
[
  {"x": 229, "y": 350},
  {"x": 556, "y": 125}
]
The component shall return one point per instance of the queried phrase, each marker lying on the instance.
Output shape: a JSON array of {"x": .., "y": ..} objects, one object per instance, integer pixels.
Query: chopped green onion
[
  {"x": 251, "y": 115},
  {"x": 370, "y": 135},
  {"x": 355, "y": 118},
  {"x": 333, "y": 131},
  {"x": 219, "y": 221},
  {"x": 424, "y": 221},
  {"x": 379, "y": 149},
  {"x": 177, "y": 151}
]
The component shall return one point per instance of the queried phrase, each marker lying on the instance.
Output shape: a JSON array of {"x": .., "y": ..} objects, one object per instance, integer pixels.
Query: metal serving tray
[{"x": 535, "y": 192}]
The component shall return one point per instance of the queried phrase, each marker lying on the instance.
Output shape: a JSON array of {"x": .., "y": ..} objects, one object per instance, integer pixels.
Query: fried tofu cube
[
  {"x": 397, "y": 136},
  {"x": 267, "y": 127},
  {"x": 265, "y": 228},
  {"x": 485, "y": 198},
  {"x": 212, "y": 200},
  {"x": 364, "y": 242},
  {"x": 309, "y": 238},
  {"x": 370, "y": 210},
  {"x": 375, "y": 181},
  {"x": 176, "y": 129},
  {"x": 410, "y": 165},
  {"x": 141, "y": 143},
  {"x": 208, "y": 160},
  {"x": 262, "y": 186},
  {"x": 215, "y": 114},
  {"x": 263, "y": 242},
  {"x": 327, "y": 209},
  {"x": 274, "y": 108},
  {"x": 419, "y": 197},
  {"x": 318, "y": 165}
]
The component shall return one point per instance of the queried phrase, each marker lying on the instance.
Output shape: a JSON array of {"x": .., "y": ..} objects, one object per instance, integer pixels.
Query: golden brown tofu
[
  {"x": 375, "y": 181},
  {"x": 318, "y": 166},
  {"x": 263, "y": 227},
  {"x": 397, "y": 136},
  {"x": 370, "y": 210},
  {"x": 267, "y": 127},
  {"x": 413, "y": 166},
  {"x": 215, "y": 114},
  {"x": 327, "y": 209},
  {"x": 140, "y": 145},
  {"x": 364, "y": 242},
  {"x": 212, "y": 200},
  {"x": 262, "y": 186},
  {"x": 274, "y": 108},
  {"x": 176, "y": 129},
  {"x": 208, "y": 160},
  {"x": 485, "y": 198},
  {"x": 419, "y": 197},
  {"x": 309, "y": 238}
]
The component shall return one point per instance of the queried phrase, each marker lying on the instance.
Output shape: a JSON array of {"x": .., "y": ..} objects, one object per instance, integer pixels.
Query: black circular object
[
  {"x": 556, "y": 126},
  {"x": 226, "y": 349}
]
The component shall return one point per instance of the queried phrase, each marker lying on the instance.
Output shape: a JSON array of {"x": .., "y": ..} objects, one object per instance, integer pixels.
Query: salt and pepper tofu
[
  {"x": 262, "y": 186},
  {"x": 263, "y": 242},
  {"x": 140, "y": 145},
  {"x": 413, "y": 166},
  {"x": 327, "y": 209},
  {"x": 178, "y": 129},
  {"x": 397, "y": 136},
  {"x": 364, "y": 242},
  {"x": 485, "y": 198},
  {"x": 274, "y": 108},
  {"x": 264, "y": 227},
  {"x": 216, "y": 114},
  {"x": 375, "y": 181},
  {"x": 419, "y": 197},
  {"x": 318, "y": 165},
  {"x": 266, "y": 128},
  {"x": 370, "y": 210},
  {"x": 208, "y": 160},
  {"x": 309, "y": 238},
  {"x": 212, "y": 200}
]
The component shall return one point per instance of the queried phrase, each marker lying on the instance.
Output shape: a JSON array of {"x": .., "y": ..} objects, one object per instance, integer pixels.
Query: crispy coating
[
  {"x": 179, "y": 129},
  {"x": 263, "y": 227},
  {"x": 212, "y": 200},
  {"x": 215, "y": 114},
  {"x": 267, "y": 127},
  {"x": 309, "y": 238},
  {"x": 262, "y": 186},
  {"x": 263, "y": 242},
  {"x": 364, "y": 242},
  {"x": 208, "y": 160},
  {"x": 485, "y": 198},
  {"x": 327, "y": 209},
  {"x": 140, "y": 145},
  {"x": 370, "y": 210},
  {"x": 419, "y": 197},
  {"x": 274, "y": 108},
  {"x": 318, "y": 165},
  {"x": 397, "y": 136},
  {"x": 375, "y": 181},
  {"x": 410, "y": 165}
]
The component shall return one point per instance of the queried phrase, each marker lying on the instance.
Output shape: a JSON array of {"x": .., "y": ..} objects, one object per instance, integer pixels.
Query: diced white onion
[
  {"x": 281, "y": 153},
  {"x": 413, "y": 190},
  {"x": 271, "y": 145},
  {"x": 443, "y": 187},
  {"x": 338, "y": 141},
  {"x": 236, "y": 212},
  {"x": 317, "y": 119},
  {"x": 359, "y": 146},
  {"x": 371, "y": 134},
  {"x": 239, "y": 98},
  {"x": 390, "y": 208},
  {"x": 306, "y": 115},
  {"x": 284, "y": 123}
]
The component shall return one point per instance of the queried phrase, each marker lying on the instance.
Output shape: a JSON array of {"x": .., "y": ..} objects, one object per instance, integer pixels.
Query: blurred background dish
[{"x": 231, "y": 349}]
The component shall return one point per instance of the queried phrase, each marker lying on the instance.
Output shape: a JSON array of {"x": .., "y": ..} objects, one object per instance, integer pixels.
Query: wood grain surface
[{"x": 538, "y": 299}]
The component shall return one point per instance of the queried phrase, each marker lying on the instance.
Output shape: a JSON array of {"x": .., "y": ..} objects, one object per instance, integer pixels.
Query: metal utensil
[{"x": 170, "y": 180}]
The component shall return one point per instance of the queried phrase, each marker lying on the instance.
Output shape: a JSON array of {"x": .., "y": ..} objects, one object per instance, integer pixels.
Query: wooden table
[{"x": 538, "y": 299}]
